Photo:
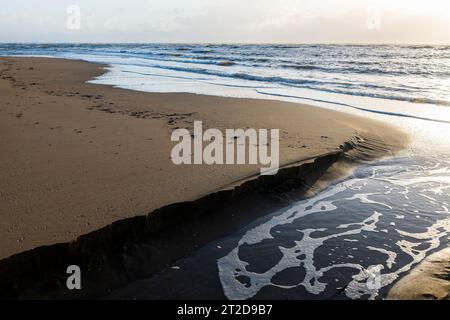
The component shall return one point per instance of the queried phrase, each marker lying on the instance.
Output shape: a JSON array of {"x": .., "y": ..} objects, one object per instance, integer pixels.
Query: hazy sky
[{"x": 255, "y": 21}]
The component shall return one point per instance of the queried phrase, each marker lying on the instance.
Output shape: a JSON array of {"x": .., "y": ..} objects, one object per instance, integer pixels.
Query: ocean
[{"x": 333, "y": 73}]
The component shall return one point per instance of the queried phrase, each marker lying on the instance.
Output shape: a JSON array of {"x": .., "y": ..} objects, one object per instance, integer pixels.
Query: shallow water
[{"x": 357, "y": 236}]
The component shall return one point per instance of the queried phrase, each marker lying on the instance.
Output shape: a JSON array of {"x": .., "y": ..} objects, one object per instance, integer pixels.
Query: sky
[{"x": 226, "y": 21}]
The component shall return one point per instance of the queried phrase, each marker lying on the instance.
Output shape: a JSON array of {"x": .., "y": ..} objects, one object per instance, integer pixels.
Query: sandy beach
[{"x": 78, "y": 156}]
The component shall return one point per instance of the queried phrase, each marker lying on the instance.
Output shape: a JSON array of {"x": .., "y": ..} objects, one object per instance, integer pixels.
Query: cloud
[{"x": 347, "y": 21}]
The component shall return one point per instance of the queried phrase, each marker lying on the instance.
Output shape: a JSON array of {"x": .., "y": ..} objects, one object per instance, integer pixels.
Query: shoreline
[
  {"x": 139, "y": 247},
  {"x": 124, "y": 171}
]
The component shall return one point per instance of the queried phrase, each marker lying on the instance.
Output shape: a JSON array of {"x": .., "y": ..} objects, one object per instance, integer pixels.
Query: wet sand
[
  {"x": 430, "y": 280},
  {"x": 77, "y": 156}
]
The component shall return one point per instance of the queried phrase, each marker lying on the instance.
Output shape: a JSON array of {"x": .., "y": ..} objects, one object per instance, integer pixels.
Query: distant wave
[
  {"x": 410, "y": 73},
  {"x": 301, "y": 67},
  {"x": 308, "y": 84},
  {"x": 396, "y": 114}
]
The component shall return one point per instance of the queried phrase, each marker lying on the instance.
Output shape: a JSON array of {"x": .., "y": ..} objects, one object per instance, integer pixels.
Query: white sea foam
[{"x": 417, "y": 245}]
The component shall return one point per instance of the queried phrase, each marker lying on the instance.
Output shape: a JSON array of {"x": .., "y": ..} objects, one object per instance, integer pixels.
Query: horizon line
[{"x": 237, "y": 43}]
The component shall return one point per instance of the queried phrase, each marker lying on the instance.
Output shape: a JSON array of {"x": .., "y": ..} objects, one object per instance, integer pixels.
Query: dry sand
[{"x": 76, "y": 156}]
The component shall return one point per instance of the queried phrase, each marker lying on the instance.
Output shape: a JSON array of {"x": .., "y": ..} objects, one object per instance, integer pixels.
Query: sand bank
[{"x": 76, "y": 157}]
